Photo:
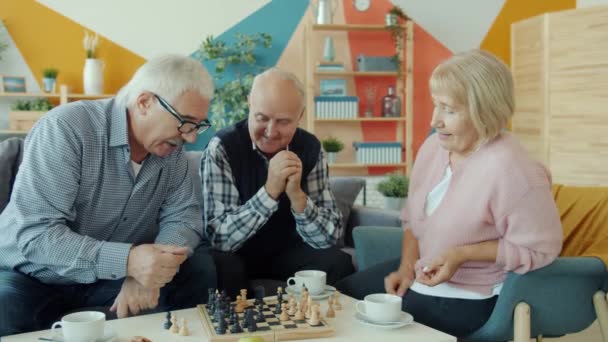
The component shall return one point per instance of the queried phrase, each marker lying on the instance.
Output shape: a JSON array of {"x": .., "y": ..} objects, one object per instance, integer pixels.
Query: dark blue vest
[{"x": 250, "y": 172}]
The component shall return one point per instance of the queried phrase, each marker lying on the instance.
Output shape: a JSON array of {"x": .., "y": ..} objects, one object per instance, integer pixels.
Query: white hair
[
  {"x": 168, "y": 76},
  {"x": 282, "y": 75}
]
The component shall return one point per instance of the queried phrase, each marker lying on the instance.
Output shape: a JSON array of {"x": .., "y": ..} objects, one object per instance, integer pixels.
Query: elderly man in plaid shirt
[{"x": 268, "y": 210}]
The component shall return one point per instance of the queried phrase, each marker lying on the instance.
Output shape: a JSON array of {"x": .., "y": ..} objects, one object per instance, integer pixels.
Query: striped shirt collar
[{"x": 119, "y": 135}]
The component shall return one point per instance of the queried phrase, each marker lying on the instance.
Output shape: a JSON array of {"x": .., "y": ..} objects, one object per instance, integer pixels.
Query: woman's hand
[
  {"x": 442, "y": 268},
  {"x": 399, "y": 281}
]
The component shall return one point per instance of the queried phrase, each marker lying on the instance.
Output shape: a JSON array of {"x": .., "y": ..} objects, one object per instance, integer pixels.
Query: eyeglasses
[{"x": 185, "y": 126}]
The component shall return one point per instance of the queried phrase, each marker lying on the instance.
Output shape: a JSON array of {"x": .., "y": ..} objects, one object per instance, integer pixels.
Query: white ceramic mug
[
  {"x": 380, "y": 307},
  {"x": 313, "y": 280},
  {"x": 85, "y": 326}
]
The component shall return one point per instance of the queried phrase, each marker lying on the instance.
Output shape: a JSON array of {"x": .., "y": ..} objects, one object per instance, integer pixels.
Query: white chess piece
[
  {"x": 314, "y": 317},
  {"x": 337, "y": 305},
  {"x": 183, "y": 331},
  {"x": 330, "y": 310},
  {"x": 299, "y": 314},
  {"x": 174, "y": 327}
]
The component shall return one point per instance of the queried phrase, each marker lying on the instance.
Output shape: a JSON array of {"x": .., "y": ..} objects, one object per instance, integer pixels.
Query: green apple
[{"x": 251, "y": 339}]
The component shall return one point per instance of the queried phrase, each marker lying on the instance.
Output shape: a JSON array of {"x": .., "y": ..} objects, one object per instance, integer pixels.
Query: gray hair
[
  {"x": 168, "y": 76},
  {"x": 284, "y": 76}
]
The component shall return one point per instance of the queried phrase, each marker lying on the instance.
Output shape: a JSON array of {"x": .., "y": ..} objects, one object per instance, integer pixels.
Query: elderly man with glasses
[{"x": 103, "y": 212}]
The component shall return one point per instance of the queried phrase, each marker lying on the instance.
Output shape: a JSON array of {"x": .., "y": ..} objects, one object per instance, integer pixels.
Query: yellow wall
[
  {"x": 48, "y": 39},
  {"x": 498, "y": 39}
]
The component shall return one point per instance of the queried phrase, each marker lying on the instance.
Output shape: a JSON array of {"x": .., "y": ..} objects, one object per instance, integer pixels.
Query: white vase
[
  {"x": 92, "y": 76},
  {"x": 331, "y": 157},
  {"x": 393, "y": 203},
  {"x": 49, "y": 84}
]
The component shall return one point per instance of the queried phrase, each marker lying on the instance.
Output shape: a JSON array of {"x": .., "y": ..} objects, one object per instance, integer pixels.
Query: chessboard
[{"x": 271, "y": 329}]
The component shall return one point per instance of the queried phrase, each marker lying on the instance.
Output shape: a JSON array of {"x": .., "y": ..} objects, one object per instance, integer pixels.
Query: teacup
[
  {"x": 313, "y": 280},
  {"x": 380, "y": 307},
  {"x": 85, "y": 326}
]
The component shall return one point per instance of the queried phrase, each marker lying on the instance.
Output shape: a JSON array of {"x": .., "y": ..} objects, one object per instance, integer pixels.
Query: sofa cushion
[{"x": 345, "y": 191}]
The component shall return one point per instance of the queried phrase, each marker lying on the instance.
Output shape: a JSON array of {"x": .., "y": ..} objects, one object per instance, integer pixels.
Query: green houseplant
[
  {"x": 332, "y": 146},
  {"x": 230, "y": 104},
  {"x": 392, "y": 21},
  {"x": 49, "y": 79},
  {"x": 394, "y": 189}
]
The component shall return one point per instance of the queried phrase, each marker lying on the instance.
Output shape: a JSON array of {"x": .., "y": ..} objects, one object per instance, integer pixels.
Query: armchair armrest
[
  {"x": 559, "y": 295},
  {"x": 374, "y": 245},
  {"x": 367, "y": 216}
]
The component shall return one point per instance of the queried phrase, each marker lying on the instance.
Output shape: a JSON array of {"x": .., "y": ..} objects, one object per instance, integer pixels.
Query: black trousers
[
  {"x": 234, "y": 270},
  {"x": 457, "y": 317}
]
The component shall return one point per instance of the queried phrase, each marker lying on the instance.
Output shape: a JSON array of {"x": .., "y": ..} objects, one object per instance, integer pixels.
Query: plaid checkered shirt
[{"x": 229, "y": 223}]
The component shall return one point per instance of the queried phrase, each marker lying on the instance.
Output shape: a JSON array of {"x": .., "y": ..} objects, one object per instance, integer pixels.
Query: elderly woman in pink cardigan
[{"x": 478, "y": 207}]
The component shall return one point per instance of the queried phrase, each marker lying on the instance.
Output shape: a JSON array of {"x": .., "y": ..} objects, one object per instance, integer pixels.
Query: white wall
[
  {"x": 13, "y": 64},
  {"x": 589, "y": 3},
  {"x": 459, "y": 25},
  {"x": 150, "y": 28}
]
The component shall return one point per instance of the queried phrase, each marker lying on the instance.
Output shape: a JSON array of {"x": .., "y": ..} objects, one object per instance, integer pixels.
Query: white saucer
[
  {"x": 108, "y": 336},
  {"x": 405, "y": 319},
  {"x": 329, "y": 290}
]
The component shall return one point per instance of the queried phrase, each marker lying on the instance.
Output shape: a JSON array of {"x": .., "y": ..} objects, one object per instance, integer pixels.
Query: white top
[
  {"x": 433, "y": 200},
  {"x": 136, "y": 168}
]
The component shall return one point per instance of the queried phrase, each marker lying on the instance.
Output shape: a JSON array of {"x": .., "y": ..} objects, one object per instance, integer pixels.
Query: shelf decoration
[
  {"x": 336, "y": 107},
  {"x": 377, "y": 152}
]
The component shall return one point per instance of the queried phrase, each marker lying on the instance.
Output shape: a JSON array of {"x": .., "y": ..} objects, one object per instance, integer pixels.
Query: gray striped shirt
[{"x": 77, "y": 207}]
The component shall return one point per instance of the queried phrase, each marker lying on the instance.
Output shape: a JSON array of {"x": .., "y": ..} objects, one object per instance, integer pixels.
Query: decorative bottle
[{"x": 391, "y": 104}]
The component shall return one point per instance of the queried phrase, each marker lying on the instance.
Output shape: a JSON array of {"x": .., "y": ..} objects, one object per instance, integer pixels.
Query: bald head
[
  {"x": 275, "y": 83},
  {"x": 276, "y": 105}
]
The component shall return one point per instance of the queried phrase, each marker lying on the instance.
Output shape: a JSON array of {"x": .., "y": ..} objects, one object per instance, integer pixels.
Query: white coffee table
[{"x": 348, "y": 329}]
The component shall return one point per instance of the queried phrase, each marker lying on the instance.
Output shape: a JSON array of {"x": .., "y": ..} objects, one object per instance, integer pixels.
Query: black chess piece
[
  {"x": 259, "y": 293},
  {"x": 220, "y": 329},
  {"x": 277, "y": 309},
  {"x": 253, "y": 326},
  {"x": 236, "y": 326},
  {"x": 260, "y": 317},
  {"x": 233, "y": 316},
  {"x": 280, "y": 297},
  {"x": 168, "y": 323},
  {"x": 247, "y": 318}
]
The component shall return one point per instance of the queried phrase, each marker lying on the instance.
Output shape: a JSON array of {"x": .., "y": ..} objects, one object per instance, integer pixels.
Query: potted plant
[
  {"x": 49, "y": 79},
  {"x": 24, "y": 113},
  {"x": 332, "y": 146},
  {"x": 392, "y": 21},
  {"x": 393, "y": 15},
  {"x": 240, "y": 61},
  {"x": 394, "y": 189}
]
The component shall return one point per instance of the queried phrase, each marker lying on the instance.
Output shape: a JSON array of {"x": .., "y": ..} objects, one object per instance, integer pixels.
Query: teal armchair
[{"x": 561, "y": 298}]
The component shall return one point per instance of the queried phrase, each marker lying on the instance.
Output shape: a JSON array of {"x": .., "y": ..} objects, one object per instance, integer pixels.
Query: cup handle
[
  {"x": 289, "y": 280},
  {"x": 358, "y": 308},
  {"x": 55, "y": 325}
]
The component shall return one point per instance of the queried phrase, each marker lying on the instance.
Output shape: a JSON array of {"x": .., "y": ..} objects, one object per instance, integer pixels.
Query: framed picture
[
  {"x": 13, "y": 84},
  {"x": 333, "y": 87}
]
